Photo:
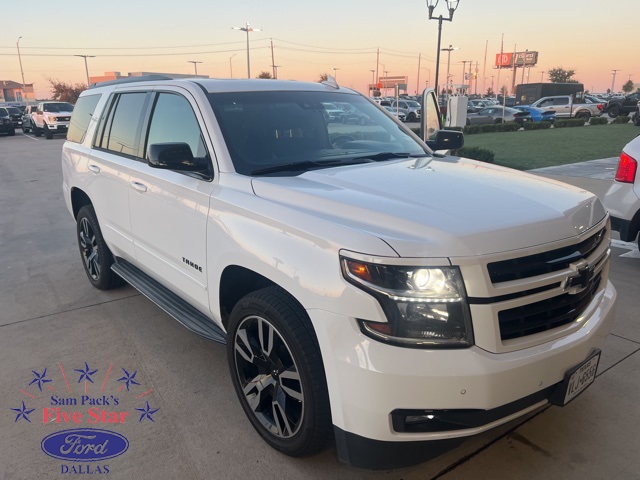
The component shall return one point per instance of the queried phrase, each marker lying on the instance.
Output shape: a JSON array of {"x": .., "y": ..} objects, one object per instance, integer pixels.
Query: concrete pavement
[{"x": 50, "y": 317}]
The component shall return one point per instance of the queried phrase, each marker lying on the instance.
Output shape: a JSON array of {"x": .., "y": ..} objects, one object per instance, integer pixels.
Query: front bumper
[{"x": 369, "y": 380}]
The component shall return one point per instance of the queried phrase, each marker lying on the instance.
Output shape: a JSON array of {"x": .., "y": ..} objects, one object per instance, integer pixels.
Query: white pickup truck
[
  {"x": 566, "y": 106},
  {"x": 368, "y": 290}
]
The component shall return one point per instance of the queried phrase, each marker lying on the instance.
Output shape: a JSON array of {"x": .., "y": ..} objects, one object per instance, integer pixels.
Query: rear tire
[
  {"x": 277, "y": 372},
  {"x": 36, "y": 131},
  {"x": 614, "y": 111},
  {"x": 96, "y": 256},
  {"x": 585, "y": 115},
  {"x": 11, "y": 132}
]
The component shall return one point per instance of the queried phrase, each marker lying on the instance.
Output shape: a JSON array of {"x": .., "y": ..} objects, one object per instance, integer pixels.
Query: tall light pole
[
  {"x": 613, "y": 82},
  {"x": 86, "y": 67},
  {"x": 335, "y": 75},
  {"x": 452, "y": 5},
  {"x": 24, "y": 85},
  {"x": 231, "y": 66},
  {"x": 448, "y": 50},
  {"x": 247, "y": 28},
  {"x": 195, "y": 65},
  {"x": 542, "y": 76},
  {"x": 373, "y": 80}
]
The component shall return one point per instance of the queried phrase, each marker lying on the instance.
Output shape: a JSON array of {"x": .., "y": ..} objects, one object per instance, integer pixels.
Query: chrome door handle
[
  {"x": 94, "y": 168},
  {"x": 140, "y": 187}
]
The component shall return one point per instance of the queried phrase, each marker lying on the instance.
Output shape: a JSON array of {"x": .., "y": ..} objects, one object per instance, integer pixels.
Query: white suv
[
  {"x": 366, "y": 289},
  {"x": 623, "y": 198}
]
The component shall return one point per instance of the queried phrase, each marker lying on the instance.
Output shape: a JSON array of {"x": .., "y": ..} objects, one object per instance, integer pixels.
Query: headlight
[
  {"x": 426, "y": 307},
  {"x": 51, "y": 118}
]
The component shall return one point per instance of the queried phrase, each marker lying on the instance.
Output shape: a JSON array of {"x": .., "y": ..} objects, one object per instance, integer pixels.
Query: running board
[{"x": 168, "y": 301}]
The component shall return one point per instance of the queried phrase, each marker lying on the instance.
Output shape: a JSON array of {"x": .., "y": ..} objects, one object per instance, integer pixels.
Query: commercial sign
[{"x": 505, "y": 60}]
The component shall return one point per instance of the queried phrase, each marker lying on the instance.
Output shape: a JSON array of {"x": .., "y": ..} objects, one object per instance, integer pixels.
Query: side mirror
[
  {"x": 173, "y": 156},
  {"x": 431, "y": 126}
]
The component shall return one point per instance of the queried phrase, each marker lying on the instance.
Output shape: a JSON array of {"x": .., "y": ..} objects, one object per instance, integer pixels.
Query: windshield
[
  {"x": 300, "y": 131},
  {"x": 13, "y": 110},
  {"x": 57, "y": 107}
]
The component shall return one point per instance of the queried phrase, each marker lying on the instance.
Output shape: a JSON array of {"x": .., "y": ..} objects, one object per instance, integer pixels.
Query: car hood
[{"x": 442, "y": 208}]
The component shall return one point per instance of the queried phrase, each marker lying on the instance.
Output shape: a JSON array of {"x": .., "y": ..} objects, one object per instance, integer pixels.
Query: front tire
[
  {"x": 614, "y": 111},
  {"x": 412, "y": 117},
  {"x": 277, "y": 372},
  {"x": 47, "y": 133},
  {"x": 96, "y": 256},
  {"x": 36, "y": 131}
]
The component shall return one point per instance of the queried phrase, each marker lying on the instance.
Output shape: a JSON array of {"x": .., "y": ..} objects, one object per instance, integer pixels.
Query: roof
[{"x": 12, "y": 84}]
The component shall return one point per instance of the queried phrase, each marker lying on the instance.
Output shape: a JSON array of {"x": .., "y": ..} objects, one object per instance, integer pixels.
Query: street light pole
[
  {"x": 452, "y": 5},
  {"x": 247, "y": 28},
  {"x": 24, "y": 85},
  {"x": 335, "y": 76},
  {"x": 448, "y": 50},
  {"x": 373, "y": 81},
  {"x": 614, "y": 79},
  {"x": 231, "y": 66},
  {"x": 86, "y": 67},
  {"x": 195, "y": 65}
]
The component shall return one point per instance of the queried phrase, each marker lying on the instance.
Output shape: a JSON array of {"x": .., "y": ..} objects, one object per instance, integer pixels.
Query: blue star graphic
[
  {"x": 128, "y": 378},
  {"x": 86, "y": 373},
  {"x": 40, "y": 378},
  {"x": 146, "y": 412},
  {"x": 23, "y": 412}
]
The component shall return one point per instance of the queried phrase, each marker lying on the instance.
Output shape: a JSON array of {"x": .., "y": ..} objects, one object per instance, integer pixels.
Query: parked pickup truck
[
  {"x": 623, "y": 106},
  {"x": 50, "y": 118},
  {"x": 566, "y": 106},
  {"x": 27, "y": 122}
]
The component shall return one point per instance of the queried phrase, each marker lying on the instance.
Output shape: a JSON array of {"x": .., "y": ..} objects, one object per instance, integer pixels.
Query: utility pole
[
  {"x": 542, "y": 76},
  {"x": 86, "y": 67},
  {"x": 418, "y": 80},
  {"x": 195, "y": 65},
  {"x": 273, "y": 62}
]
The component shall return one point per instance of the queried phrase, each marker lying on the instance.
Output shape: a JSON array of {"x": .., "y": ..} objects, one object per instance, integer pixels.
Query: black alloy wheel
[
  {"x": 277, "y": 372},
  {"x": 96, "y": 256}
]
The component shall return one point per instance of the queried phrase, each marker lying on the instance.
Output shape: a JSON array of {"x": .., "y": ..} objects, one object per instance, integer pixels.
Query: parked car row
[{"x": 47, "y": 118}]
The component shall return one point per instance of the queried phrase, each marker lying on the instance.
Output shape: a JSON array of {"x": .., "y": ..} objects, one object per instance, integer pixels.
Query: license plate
[{"x": 577, "y": 380}]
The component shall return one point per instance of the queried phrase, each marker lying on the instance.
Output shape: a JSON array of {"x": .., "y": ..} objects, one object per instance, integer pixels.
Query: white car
[
  {"x": 367, "y": 289},
  {"x": 623, "y": 197}
]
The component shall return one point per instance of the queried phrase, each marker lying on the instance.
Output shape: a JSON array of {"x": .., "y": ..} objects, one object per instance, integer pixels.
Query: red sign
[{"x": 504, "y": 60}]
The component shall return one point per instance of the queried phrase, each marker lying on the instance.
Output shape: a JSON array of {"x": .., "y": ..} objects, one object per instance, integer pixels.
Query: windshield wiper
[
  {"x": 379, "y": 157},
  {"x": 308, "y": 165}
]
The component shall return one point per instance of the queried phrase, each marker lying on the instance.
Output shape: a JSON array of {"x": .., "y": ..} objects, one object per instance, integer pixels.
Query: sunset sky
[{"x": 311, "y": 38}]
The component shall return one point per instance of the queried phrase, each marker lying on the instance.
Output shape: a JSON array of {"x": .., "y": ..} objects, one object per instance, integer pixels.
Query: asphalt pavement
[{"x": 110, "y": 353}]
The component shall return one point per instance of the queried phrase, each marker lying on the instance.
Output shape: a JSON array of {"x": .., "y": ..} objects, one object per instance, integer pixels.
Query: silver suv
[
  {"x": 411, "y": 109},
  {"x": 623, "y": 198}
]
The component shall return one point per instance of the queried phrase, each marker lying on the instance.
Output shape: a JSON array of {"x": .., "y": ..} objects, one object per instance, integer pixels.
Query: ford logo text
[{"x": 84, "y": 445}]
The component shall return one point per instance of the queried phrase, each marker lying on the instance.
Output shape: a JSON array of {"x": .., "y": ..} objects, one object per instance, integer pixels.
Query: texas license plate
[{"x": 578, "y": 379}]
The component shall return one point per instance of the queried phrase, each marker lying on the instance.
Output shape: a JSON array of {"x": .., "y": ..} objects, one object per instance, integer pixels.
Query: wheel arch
[
  {"x": 79, "y": 199},
  {"x": 237, "y": 282}
]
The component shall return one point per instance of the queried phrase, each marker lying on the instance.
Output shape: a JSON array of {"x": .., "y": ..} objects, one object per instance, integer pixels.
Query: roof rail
[{"x": 142, "y": 78}]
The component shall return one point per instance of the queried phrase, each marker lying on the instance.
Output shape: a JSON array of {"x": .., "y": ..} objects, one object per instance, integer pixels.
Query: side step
[{"x": 168, "y": 301}]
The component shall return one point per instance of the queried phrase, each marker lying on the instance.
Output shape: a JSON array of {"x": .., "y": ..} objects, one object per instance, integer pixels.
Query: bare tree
[
  {"x": 65, "y": 92},
  {"x": 323, "y": 78},
  {"x": 264, "y": 74}
]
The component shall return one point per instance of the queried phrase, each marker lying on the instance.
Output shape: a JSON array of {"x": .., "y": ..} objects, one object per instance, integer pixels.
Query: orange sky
[{"x": 314, "y": 38}]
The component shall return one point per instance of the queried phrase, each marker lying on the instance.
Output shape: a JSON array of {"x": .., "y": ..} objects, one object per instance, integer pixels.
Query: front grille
[
  {"x": 64, "y": 119},
  {"x": 546, "y": 314},
  {"x": 542, "y": 263}
]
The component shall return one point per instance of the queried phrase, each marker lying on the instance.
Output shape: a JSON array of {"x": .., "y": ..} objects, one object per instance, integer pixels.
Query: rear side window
[
  {"x": 120, "y": 129},
  {"x": 81, "y": 117}
]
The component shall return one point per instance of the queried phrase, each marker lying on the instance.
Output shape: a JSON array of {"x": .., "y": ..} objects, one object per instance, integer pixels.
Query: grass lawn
[{"x": 528, "y": 149}]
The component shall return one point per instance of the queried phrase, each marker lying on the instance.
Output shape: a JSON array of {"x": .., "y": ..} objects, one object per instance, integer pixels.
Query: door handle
[
  {"x": 140, "y": 187},
  {"x": 94, "y": 168}
]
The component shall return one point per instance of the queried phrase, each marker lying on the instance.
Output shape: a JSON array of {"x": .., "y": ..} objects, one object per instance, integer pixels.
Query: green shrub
[
  {"x": 536, "y": 125},
  {"x": 569, "y": 122},
  {"x": 471, "y": 129},
  {"x": 475, "y": 153},
  {"x": 622, "y": 119},
  {"x": 489, "y": 127},
  {"x": 508, "y": 127},
  {"x": 598, "y": 121}
]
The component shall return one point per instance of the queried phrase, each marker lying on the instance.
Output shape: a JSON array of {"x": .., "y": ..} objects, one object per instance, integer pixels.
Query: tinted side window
[
  {"x": 81, "y": 117},
  {"x": 561, "y": 101},
  {"x": 121, "y": 128},
  {"x": 173, "y": 121}
]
